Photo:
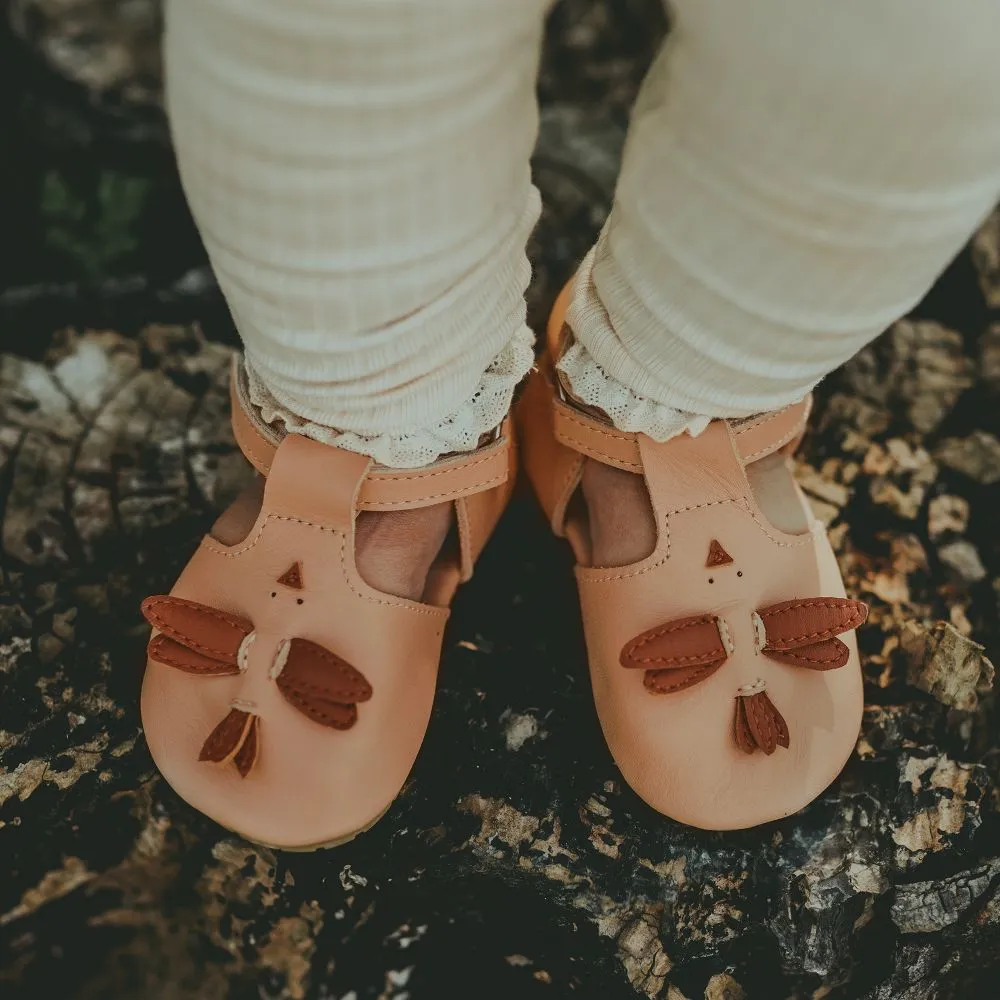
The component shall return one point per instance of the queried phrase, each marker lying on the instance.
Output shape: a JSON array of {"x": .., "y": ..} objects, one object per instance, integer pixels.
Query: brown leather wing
[
  {"x": 759, "y": 725},
  {"x": 248, "y": 753},
  {"x": 194, "y": 637},
  {"x": 321, "y": 685},
  {"x": 226, "y": 740},
  {"x": 803, "y": 632},
  {"x": 677, "y": 655}
]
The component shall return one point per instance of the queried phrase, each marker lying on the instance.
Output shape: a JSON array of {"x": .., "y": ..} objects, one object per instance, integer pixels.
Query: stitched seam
[
  {"x": 806, "y": 539},
  {"x": 763, "y": 720},
  {"x": 695, "y": 659},
  {"x": 672, "y": 627},
  {"x": 707, "y": 503},
  {"x": 760, "y": 421},
  {"x": 281, "y": 655},
  {"x": 460, "y": 491},
  {"x": 564, "y": 494},
  {"x": 589, "y": 449},
  {"x": 774, "y": 445},
  {"x": 322, "y": 718},
  {"x": 666, "y": 547},
  {"x": 258, "y": 462},
  {"x": 216, "y": 741},
  {"x": 791, "y": 654},
  {"x": 808, "y": 602},
  {"x": 828, "y": 633},
  {"x": 171, "y": 661},
  {"x": 209, "y": 543},
  {"x": 303, "y": 688},
  {"x": 336, "y": 663},
  {"x": 243, "y": 652},
  {"x": 205, "y": 609},
  {"x": 186, "y": 640},
  {"x": 741, "y": 730},
  {"x": 759, "y": 632},
  {"x": 249, "y": 452},
  {"x": 852, "y": 621},
  {"x": 725, "y": 635},
  {"x": 450, "y": 471},
  {"x": 433, "y": 612},
  {"x": 633, "y": 647},
  {"x": 680, "y": 685},
  {"x": 585, "y": 426},
  {"x": 175, "y": 633}
]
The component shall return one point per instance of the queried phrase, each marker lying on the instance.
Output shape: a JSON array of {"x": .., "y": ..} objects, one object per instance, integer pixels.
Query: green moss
[{"x": 96, "y": 228}]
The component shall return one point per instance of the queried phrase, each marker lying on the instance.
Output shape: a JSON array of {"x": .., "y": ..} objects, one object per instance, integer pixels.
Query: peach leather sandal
[
  {"x": 724, "y": 665},
  {"x": 283, "y": 696}
]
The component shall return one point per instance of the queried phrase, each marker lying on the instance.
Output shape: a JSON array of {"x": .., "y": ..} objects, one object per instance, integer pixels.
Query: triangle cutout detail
[
  {"x": 292, "y": 577},
  {"x": 717, "y": 555}
]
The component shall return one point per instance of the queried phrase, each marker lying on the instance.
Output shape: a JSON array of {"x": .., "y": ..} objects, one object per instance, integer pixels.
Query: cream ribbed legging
[{"x": 797, "y": 174}]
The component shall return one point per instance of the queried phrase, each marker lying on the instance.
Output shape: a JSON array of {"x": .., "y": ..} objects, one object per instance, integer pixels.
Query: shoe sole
[{"x": 309, "y": 848}]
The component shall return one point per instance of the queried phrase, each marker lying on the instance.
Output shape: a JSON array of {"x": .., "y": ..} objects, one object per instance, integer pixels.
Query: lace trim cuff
[
  {"x": 593, "y": 386},
  {"x": 460, "y": 431}
]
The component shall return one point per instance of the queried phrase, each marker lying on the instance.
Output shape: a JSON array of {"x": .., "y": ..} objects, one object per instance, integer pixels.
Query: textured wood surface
[{"x": 515, "y": 862}]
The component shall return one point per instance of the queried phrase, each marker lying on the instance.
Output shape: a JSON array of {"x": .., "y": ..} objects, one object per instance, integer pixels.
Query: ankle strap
[
  {"x": 598, "y": 439},
  {"x": 384, "y": 489}
]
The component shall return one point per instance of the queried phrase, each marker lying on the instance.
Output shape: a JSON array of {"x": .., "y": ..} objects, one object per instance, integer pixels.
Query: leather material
[
  {"x": 680, "y": 750},
  {"x": 717, "y": 555},
  {"x": 325, "y": 496},
  {"x": 322, "y": 685},
  {"x": 163, "y": 649},
  {"x": 759, "y": 725},
  {"x": 224, "y": 741},
  {"x": 246, "y": 756},
  {"x": 767, "y": 433},
  {"x": 599, "y": 439},
  {"x": 388, "y": 489},
  {"x": 677, "y": 655},
  {"x": 311, "y": 784},
  {"x": 311, "y": 767},
  {"x": 478, "y": 513},
  {"x": 553, "y": 467},
  {"x": 802, "y": 632},
  {"x": 594, "y": 438},
  {"x": 292, "y": 577},
  {"x": 204, "y": 630}
]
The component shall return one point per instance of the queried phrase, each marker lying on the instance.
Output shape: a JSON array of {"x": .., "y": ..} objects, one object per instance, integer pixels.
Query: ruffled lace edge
[
  {"x": 593, "y": 386},
  {"x": 461, "y": 431}
]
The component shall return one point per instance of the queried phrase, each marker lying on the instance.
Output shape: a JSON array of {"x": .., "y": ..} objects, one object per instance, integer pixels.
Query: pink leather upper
[
  {"x": 679, "y": 750},
  {"x": 311, "y": 784}
]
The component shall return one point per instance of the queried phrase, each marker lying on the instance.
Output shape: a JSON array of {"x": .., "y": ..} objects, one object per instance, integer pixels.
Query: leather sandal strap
[
  {"x": 765, "y": 434},
  {"x": 595, "y": 438},
  {"x": 388, "y": 489},
  {"x": 755, "y": 438}
]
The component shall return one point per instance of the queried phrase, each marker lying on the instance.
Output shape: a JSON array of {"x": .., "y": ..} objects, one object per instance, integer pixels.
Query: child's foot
[
  {"x": 724, "y": 666},
  {"x": 620, "y": 516},
  {"x": 394, "y": 549},
  {"x": 291, "y": 671}
]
